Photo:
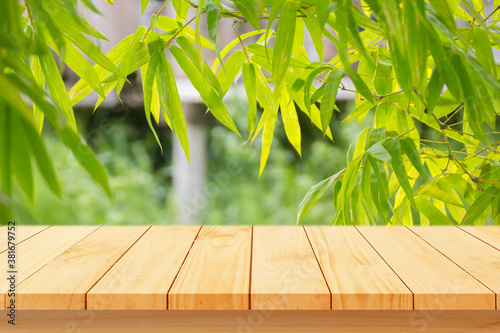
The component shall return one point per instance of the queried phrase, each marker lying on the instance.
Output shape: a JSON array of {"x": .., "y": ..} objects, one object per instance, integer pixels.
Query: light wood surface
[
  {"x": 437, "y": 282},
  {"x": 142, "y": 278},
  {"x": 259, "y": 268},
  {"x": 22, "y": 233},
  {"x": 285, "y": 272},
  {"x": 31, "y": 257},
  {"x": 216, "y": 273},
  {"x": 254, "y": 321},
  {"x": 476, "y": 257},
  {"x": 358, "y": 277},
  {"x": 63, "y": 283},
  {"x": 490, "y": 235}
]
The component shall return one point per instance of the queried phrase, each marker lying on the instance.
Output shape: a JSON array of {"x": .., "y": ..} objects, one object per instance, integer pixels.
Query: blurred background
[{"x": 220, "y": 186}]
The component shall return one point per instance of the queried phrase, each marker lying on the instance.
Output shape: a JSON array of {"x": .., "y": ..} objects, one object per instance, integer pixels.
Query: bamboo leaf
[
  {"x": 439, "y": 194},
  {"x": 40, "y": 81},
  {"x": 393, "y": 148},
  {"x": 144, "y": 4},
  {"x": 314, "y": 194},
  {"x": 249, "y": 81},
  {"x": 171, "y": 102},
  {"x": 411, "y": 151},
  {"x": 249, "y": 12},
  {"x": 380, "y": 153},
  {"x": 479, "y": 205},
  {"x": 290, "y": 120},
  {"x": 209, "y": 95},
  {"x": 284, "y": 41},
  {"x": 20, "y": 155},
  {"x": 329, "y": 97},
  {"x": 435, "y": 216},
  {"x": 150, "y": 74},
  {"x": 5, "y": 149},
  {"x": 194, "y": 57},
  {"x": 39, "y": 152},
  {"x": 267, "y": 139},
  {"x": 56, "y": 87}
]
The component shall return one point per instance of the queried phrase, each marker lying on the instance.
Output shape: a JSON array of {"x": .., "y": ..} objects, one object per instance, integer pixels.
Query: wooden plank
[
  {"x": 254, "y": 321},
  {"x": 358, "y": 278},
  {"x": 436, "y": 282},
  {"x": 22, "y": 233},
  {"x": 285, "y": 272},
  {"x": 476, "y": 257},
  {"x": 63, "y": 283},
  {"x": 37, "y": 251},
  {"x": 490, "y": 234},
  {"x": 216, "y": 273},
  {"x": 143, "y": 276}
]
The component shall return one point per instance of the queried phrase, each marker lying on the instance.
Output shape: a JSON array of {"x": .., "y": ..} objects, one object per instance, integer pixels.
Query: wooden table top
[{"x": 257, "y": 268}]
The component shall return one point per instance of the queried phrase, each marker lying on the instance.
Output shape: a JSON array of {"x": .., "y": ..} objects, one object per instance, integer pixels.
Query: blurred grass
[{"x": 141, "y": 179}]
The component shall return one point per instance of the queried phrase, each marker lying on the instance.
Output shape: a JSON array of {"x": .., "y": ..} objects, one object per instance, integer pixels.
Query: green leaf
[
  {"x": 144, "y": 4},
  {"x": 290, "y": 120},
  {"x": 149, "y": 75},
  {"x": 329, "y": 97},
  {"x": 308, "y": 85},
  {"x": 20, "y": 154},
  {"x": 127, "y": 57},
  {"x": 380, "y": 153},
  {"x": 472, "y": 101},
  {"x": 434, "y": 89},
  {"x": 209, "y": 96},
  {"x": 38, "y": 150},
  {"x": 314, "y": 194},
  {"x": 361, "y": 86},
  {"x": 56, "y": 87},
  {"x": 322, "y": 11},
  {"x": 168, "y": 24},
  {"x": 212, "y": 20},
  {"x": 284, "y": 41},
  {"x": 206, "y": 71},
  {"x": 394, "y": 150},
  {"x": 199, "y": 10},
  {"x": 171, "y": 102},
  {"x": 439, "y": 194},
  {"x": 249, "y": 81},
  {"x": 267, "y": 139},
  {"x": 85, "y": 156},
  {"x": 435, "y": 216},
  {"x": 232, "y": 67},
  {"x": 411, "y": 151},
  {"x": 40, "y": 81},
  {"x": 479, "y": 205},
  {"x": 249, "y": 12},
  {"x": 89, "y": 48},
  {"x": 5, "y": 149}
]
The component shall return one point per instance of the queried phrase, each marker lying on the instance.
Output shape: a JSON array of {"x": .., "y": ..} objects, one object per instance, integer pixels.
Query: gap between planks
[{"x": 392, "y": 269}]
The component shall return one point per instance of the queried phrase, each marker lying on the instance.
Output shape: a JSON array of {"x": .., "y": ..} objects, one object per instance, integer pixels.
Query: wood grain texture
[
  {"x": 479, "y": 259},
  {"x": 285, "y": 272},
  {"x": 143, "y": 276},
  {"x": 37, "y": 251},
  {"x": 22, "y": 233},
  {"x": 490, "y": 235},
  {"x": 254, "y": 321},
  {"x": 216, "y": 273},
  {"x": 63, "y": 283},
  {"x": 437, "y": 282},
  {"x": 359, "y": 279}
]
